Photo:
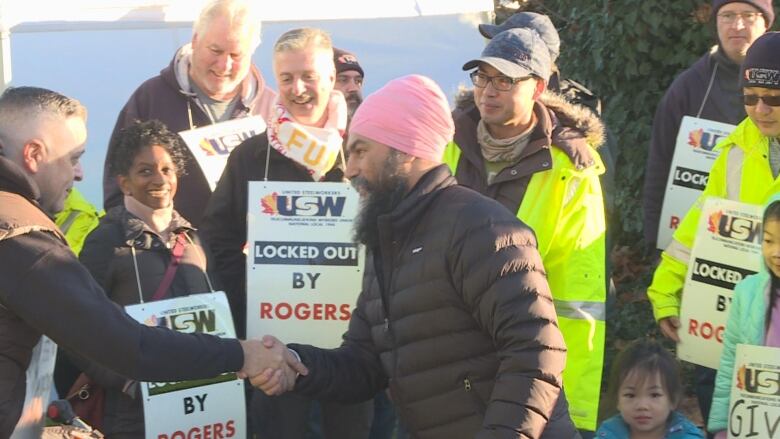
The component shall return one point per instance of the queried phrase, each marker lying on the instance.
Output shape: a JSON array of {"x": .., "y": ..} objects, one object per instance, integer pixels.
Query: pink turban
[{"x": 409, "y": 114}]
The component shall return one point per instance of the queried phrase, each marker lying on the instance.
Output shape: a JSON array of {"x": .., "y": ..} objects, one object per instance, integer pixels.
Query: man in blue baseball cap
[{"x": 535, "y": 154}]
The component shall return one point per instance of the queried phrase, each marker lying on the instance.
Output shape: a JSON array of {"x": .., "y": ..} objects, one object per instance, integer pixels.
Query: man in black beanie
[{"x": 349, "y": 78}]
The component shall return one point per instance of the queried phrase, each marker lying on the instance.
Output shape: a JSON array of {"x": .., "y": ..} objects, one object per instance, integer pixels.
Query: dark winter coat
[
  {"x": 456, "y": 317},
  {"x": 45, "y": 290}
]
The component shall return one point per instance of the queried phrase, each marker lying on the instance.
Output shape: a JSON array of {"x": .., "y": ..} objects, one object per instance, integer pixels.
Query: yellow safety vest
[
  {"x": 77, "y": 219},
  {"x": 565, "y": 208},
  {"x": 741, "y": 173}
]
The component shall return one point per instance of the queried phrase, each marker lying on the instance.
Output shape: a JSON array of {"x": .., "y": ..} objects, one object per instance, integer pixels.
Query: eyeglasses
[
  {"x": 500, "y": 82},
  {"x": 751, "y": 100},
  {"x": 747, "y": 17}
]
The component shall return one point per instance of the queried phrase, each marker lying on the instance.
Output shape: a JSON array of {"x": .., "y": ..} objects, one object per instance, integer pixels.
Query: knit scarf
[
  {"x": 158, "y": 220},
  {"x": 316, "y": 149},
  {"x": 502, "y": 150}
]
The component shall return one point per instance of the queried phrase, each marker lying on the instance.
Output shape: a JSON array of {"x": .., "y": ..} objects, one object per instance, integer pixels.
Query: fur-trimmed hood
[{"x": 568, "y": 114}]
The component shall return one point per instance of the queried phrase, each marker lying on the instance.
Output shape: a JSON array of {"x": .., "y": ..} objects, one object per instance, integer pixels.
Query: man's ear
[
  {"x": 541, "y": 86},
  {"x": 33, "y": 156}
]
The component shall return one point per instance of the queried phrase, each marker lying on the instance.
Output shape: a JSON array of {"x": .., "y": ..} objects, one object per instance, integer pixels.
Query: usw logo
[
  {"x": 222, "y": 145},
  {"x": 204, "y": 320},
  {"x": 303, "y": 205},
  {"x": 734, "y": 227},
  {"x": 705, "y": 140}
]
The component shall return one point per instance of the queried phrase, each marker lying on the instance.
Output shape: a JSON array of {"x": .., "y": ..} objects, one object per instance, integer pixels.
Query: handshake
[{"x": 270, "y": 366}]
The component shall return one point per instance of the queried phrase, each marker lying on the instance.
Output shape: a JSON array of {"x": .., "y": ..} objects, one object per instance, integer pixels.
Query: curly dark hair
[
  {"x": 645, "y": 357},
  {"x": 126, "y": 145}
]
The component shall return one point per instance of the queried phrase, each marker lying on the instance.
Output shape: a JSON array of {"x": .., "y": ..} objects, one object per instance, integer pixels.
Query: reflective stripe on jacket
[
  {"x": 563, "y": 204},
  {"x": 77, "y": 219},
  {"x": 740, "y": 173}
]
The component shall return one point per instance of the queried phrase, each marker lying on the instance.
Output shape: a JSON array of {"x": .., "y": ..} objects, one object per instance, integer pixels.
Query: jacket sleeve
[
  {"x": 112, "y": 195},
  {"x": 665, "y": 291},
  {"x": 576, "y": 253},
  {"x": 719, "y": 411},
  {"x": 46, "y": 287},
  {"x": 666, "y": 124},
  {"x": 96, "y": 256},
  {"x": 498, "y": 271},
  {"x": 223, "y": 229},
  {"x": 350, "y": 373}
]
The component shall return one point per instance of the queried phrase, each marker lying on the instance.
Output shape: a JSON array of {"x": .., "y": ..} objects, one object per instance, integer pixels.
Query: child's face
[
  {"x": 644, "y": 404},
  {"x": 770, "y": 247}
]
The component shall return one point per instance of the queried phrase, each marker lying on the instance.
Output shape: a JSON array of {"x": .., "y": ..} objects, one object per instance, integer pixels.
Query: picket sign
[
  {"x": 727, "y": 249},
  {"x": 211, "y": 144},
  {"x": 754, "y": 406},
  {"x": 693, "y": 158},
  {"x": 211, "y": 407},
  {"x": 303, "y": 270}
]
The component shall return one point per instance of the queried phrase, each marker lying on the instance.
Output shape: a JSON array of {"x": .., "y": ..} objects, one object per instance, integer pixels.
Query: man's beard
[
  {"x": 378, "y": 199},
  {"x": 353, "y": 102}
]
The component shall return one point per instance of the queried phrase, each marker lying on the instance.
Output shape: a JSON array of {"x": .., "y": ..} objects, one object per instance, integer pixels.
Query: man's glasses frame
[
  {"x": 748, "y": 17},
  {"x": 500, "y": 82}
]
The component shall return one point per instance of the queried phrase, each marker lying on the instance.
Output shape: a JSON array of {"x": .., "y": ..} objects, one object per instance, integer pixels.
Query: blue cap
[
  {"x": 530, "y": 20},
  {"x": 516, "y": 53}
]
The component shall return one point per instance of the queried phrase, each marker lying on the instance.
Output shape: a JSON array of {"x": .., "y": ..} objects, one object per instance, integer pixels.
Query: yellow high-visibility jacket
[
  {"x": 77, "y": 219},
  {"x": 740, "y": 173},
  {"x": 556, "y": 191}
]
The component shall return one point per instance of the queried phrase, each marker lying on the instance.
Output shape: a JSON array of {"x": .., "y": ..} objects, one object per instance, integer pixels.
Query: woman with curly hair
[{"x": 142, "y": 251}]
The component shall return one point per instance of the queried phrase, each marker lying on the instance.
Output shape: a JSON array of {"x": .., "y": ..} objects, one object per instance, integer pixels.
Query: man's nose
[
  {"x": 224, "y": 62},
  {"x": 78, "y": 173},
  {"x": 351, "y": 170},
  {"x": 298, "y": 86}
]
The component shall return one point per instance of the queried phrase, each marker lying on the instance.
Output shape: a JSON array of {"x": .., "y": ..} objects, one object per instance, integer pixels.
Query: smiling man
[
  {"x": 209, "y": 80},
  {"x": 309, "y": 110}
]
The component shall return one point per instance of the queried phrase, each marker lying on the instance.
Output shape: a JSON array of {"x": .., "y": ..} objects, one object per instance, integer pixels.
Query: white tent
[{"x": 99, "y": 51}]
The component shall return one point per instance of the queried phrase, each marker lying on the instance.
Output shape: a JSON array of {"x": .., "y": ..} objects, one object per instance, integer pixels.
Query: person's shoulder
[
  {"x": 108, "y": 233},
  {"x": 613, "y": 428},
  {"x": 681, "y": 427},
  {"x": 476, "y": 211},
  {"x": 577, "y": 132},
  {"x": 694, "y": 79},
  {"x": 252, "y": 146}
]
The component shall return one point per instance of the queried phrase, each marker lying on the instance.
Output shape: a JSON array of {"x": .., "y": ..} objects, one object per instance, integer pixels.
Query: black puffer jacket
[
  {"x": 223, "y": 226},
  {"x": 457, "y": 318}
]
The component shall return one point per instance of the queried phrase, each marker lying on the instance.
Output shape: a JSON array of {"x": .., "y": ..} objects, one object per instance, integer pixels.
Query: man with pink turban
[{"x": 455, "y": 315}]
